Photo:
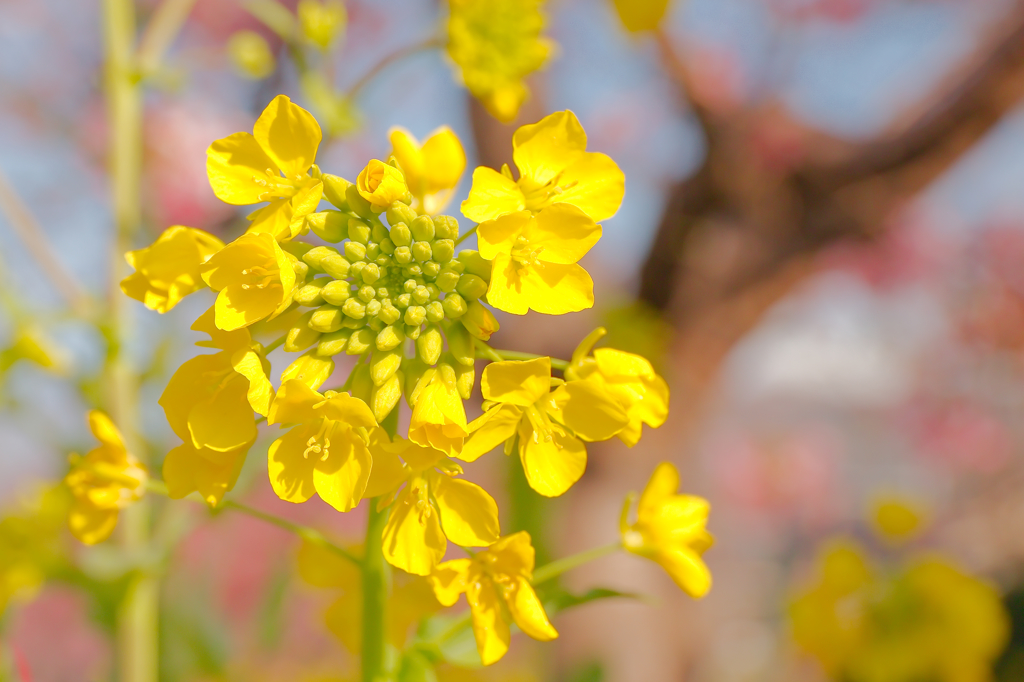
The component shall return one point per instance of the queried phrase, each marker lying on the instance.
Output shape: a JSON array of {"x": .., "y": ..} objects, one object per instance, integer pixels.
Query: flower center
[
  {"x": 542, "y": 427},
  {"x": 537, "y": 196},
  {"x": 633, "y": 539},
  {"x": 524, "y": 256},
  {"x": 320, "y": 444},
  {"x": 276, "y": 186},
  {"x": 259, "y": 277}
]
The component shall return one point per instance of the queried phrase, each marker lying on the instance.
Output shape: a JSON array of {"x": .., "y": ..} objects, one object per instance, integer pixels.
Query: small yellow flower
[
  {"x": 251, "y": 55},
  {"x": 103, "y": 482},
  {"x": 433, "y": 504},
  {"x": 432, "y": 170},
  {"x": 322, "y": 22},
  {"x": 534, "y": 260},
  {"x": 496, "y": 582},
  {"x": 669, "y": 530},
  {"x": 641, "y": 15},
  {"x": 554, "y": 168},
  {"x": 169, "y": 269},
  {"x": 254, "y": 279},
  {"x": 628, "y": 378},
  {"x": 438, "y": 415},
  {"x": 381, "y": 184},
  {"x": 326, "y": 452},
  {"x": 551, "y": 425},
  {"x": 496, "y": 44},
  {"x": 896, "y": 519},
  {"x": 272, "y": 164}
]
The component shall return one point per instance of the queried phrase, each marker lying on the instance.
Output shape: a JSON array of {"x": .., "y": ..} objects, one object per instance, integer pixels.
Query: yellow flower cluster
[{"x": 384, "y": 282}]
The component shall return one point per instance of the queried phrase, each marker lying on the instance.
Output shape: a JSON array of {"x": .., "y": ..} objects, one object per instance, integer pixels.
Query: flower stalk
[{"x": 375, "y": 574}]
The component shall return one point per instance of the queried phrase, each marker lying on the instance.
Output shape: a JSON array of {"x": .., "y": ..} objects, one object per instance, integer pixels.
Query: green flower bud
[
  {"x": 336, "y": 266},
  {"x": 456, "y": 267},
  {"x": 383, "y": 261},
  {"x": 447, "y": 280},
  {"x": 390, "y": 337},
  {"x": 300, "y": 269},
  {"x": 371, "y": 273},
  {"x": 387, "y": 246},
  {"x": 354, "y": 308},
  {"x": 480, "y": 321},
  {"x": 361, "y": 341},
  {"x": 372, "y": 308},
  {"x": 421, "y": 251},
  {"x": 312, "y": 257},
  {"x": 434, "y": 292},
  {"x": 335, "y": 189},
  {"x": 461, "y": 344},
  {"x": 358, "y": 231},
  {"x": 353, "y": 323},
  {"x": 383, "y": 293},
  {"x": 471, "y": 286},
  {"x": 389, "y": 314},
  {"x": 309, "y": 294},
  {"x": 333, "y": 343},
  {"x": 300, "y": 337},
  {"x": 403, "y": 255},
  {"x": 366, "y": 293},
  {"x": 401, "y": 235},
  {"x": 476, "y": 264},
  {"x": 446, "y": 227},
  {"x": 415, "y": 315},
  {"x": 360, "y": 384},
  {"x": 465, "y": 375},
  {"x": 374, "y": 322},
  {"x": 355, "y": 251},
  {"x": 430, "y": 268},
  {"x": 413, "y": 331},
  {"x": 336, "y": 292},
  {"x": 404, "y": 301},
  {"x": 443, "y": 250},
  {"x": 325, "y": 319},
  {"x": 378, "y": 232},
  {"x": 383, "y": 398},
  {"x": 372, "y": 251},
  {"x": 398, "y": 212},
  {"x": 421, "y": 294},
  {"x": 447, "y": 374},
  {"x": 454, "y": 306},
  {"x": 356, "y": 203},
  {"x": 430, "y": 344},
  {"x": 422, "y": 228},
  {"x": 413, "y": 270},
  {"x": 331, "y": 226},
  {"x": 435, "y": 311},
  {"x": 310, "y": 369},
  {"x": 357, "y": 268},
  {"x": 384, "y": 364}
]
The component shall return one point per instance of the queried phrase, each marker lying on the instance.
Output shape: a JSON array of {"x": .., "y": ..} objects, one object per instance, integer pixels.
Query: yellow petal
[
  {"x": 553, "y": 466},
  {"x": 187, "y": 470},
  {"x": 189, "y": 384},
  {"x": 490, "y": 430},
  {"x": 517, "y": 382},
  {"x": 595, "y": 184},
  {"x": 469, "y": 516},
  {"x": 444, "y": 160},
  {"x": 687, "y": 569},
  {"x": 341, "y": 479},
  {"x": 514, "y": 555},
  {"x": 89, "y": 523},
  {"x": 233, "y": 340},
  {"x": 104, "y": 430},
  {"x": 289, "y": 135},
  {"x": 387, "y": 472},
  {"x": 344, "y": 619},
  {"x": 499, "y": 235},
  {"x": 450, "y": 579},
  {"x": 237, "y": 169},
  {"x": 641, "y": 15},
  {"x": 491, "y": 631},
  {"x": 412, "y": 538},
  {"x": 548, "y": 288},
  {"x": 562, "y": 233},
  {"x": 590, "y": 412},
  {"x": 223, "y": 421},
  {"x": 291, "y": 473},
  {"x": 310, "y": 369},
  {"x": 321, "y": 567},
  {"x": 406, "y": 150},
  {"x": 528, "y": 613},
  {"x": 544, "y": 149},
  {"x": 294, "y": 403},
  {"x": 169, "y": 269},
  {"x": 381, "y": 184},
  {"x": 261, "y": 392},
  {"x": 352, "y": 411},
  {"x": 237, "y": 307},
  {"x": 663, "y": 484},
  {"x": 492, "y": 195},
  {"x": 439, "y": 418}
]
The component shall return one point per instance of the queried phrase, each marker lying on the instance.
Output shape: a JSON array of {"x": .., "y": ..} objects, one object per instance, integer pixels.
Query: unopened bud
[
  {"x": 366, "y": 293},
  {"x": 400, "y": 234},
  {"x": 403, "y": 255},
  {"x": 430, "y": 344},
  {"x": 371, "y": 273},
  {"x": 336, "y": 291},
  {"x": 335, "y": 189},
  {"x": 384, "y": 364},
  {"x": 300, "y": 337},
  {"x": 413, "y": 331},
  {"x": 446, "y": 227},
  {"x": 322, "y": 23},
  {"x": 309, "y": 294},
  {"x": 476, "y": 264},
  {"x": 461, "y": 344},
  {"x": 465, "y": 375},
  {"x": 356, "y": 203},
  {"x": 415, "y": 315},
  {"x": 326, "y": 319},
  {"x": 387, "y": 246},
  {"x": 372, "y": 308},
  {"x": 355, "y": 251},
  {"x": 435, "y": 312},
  {"x": 360, "y": 384},
  {"x": 361, "y": 341},
  {"x": 251, "y": 54},
  {"x": 480, "y": 321},
  {"x": 454, "y": 306},
  {"x": 443, "y": 250},
  {"x": 398, "y": 212},
  {"x": 383, "y": 398},
  {"x": 447, "y": 280},
  {"x": 311, "y": 369},
  {"x": 471, "y": 286},
  {"x": 421, "y": 251},
  {"x": 422, "y": 228},
  {"x": 333, "y": 343},
  {"x": 331, "y": 226},
  {"x": 389, "y": 314},
  {"x": 354, "y": 308}
]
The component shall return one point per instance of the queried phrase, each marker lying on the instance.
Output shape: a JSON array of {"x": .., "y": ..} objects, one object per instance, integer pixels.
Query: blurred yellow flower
[
  {"x": 554, "y": 168},
  {"x": 30, "y": 543},
  {"x": 896, "y": 519},
  {"x": 322, "y": 23},
  {"x": 641, "y": 15},
  {"x": 628, "y": 378},
  {"x": 105, "y": 481},
  {"x": 551, "y": 426},
  {"x": 438, "y": 415},
  {"x": 253, "y": 278},
  {"x": 496, "y": 44},
  {"x": 669, "y": 530},
  {"x": 496, "y": 582},
  {"x": 535, "y": 260},
  {"x": 169, "y": 269},
  {"x": 272, "y": 164},
  {"x": 433, "y": 169},
  {"x": 326, "y": 451},
  {"x": 381, "y": 184},
  {"x": 432, "y": 505},
  {"x": 250, "y": 54}
]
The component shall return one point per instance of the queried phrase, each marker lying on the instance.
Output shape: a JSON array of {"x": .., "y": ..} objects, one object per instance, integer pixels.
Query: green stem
[
  {"x": 274, "y": 345},
  {"x": 465, "y": 235},
  {"x": 556, "y": 568},
  {"x": 390, "y": 59},
  {"x": 496, "y": 354}
]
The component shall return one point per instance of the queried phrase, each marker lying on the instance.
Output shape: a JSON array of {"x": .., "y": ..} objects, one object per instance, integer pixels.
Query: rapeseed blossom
[
  {"x": 497, "y": 586},
  {"x": 170, "y": 268},
  {"x": 254, "y": 278},
  {"x": 103, "y": 482},
  {"x": 432, "y": 169}
]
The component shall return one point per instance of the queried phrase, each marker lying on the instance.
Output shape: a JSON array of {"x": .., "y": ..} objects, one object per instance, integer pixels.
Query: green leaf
[
  {"x": 561, "y": 600},
  {"x": 416, "y": 667}
]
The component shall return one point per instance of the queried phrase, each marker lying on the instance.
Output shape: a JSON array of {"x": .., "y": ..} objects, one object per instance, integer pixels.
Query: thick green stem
[
  {"x": 496, "y": 354},
  {"x": 375, "y": 582},
  {"x": 557, "y": 568}
]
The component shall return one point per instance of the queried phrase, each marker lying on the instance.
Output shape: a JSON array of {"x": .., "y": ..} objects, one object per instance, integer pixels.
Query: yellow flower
[
  {"x": 211, "y": 473},
  {"x": 322, "y": 23},
  {"x": 554, "y": 168},
  {"x": 381, "y": 184},
  {"x": 551, "y": 426},
  {"x": 250, "y": 54},
  {"x": 432, "y": 505},
  {"x": 641, "y": 15},
  {"x": 628, "y": 378},
  {"x": 326, "y": 452},
  {"x": 496, "y": 44},
  {"x": 534, "y": 260},
  {"x": 896, "y": 519},
  {"x": 438, "y": 416},
  {"x": 497, "y": 585},
  {"x": 168, "y": 270},
  {"x": 669, "y": 530},
  {"x": 432, "y": 170},
  {"x": 31, "y": 543},
  {"x": 103, "y": 482},
  {"x": 270, "y": 165},
  {"x": 254, "y": 279}
]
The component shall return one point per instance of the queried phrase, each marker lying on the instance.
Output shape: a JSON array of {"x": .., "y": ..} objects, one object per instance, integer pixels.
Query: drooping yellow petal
[
  {"x": 595, "y": 184},
  {"x": 514, "y": 555},
  {"x": 469, "y": 516},
  {"x": 592, "y": 414},
  {"x": 444, "y": 160},
  {"x": 412, "y": 539},
  {"x": 220, "y": 339},
  {"x": 407, "y": 151},
  {"x": 341, "y": 478},
  {"x": 291, "y": 471},
  {"x": 439, "y": 418},
  {"x": 517, "y": 382},
  {"x": 169, "y": 269},
  {"x": 499, "y": 235},
  {"x": 492, "y": 195},
  {"x": 91, "y": 524},
  {"x": 663, "y": 484},
  {"x": 261, "y": 392},
  {"x": 548, "y": 288},
  {"x": 224, "y": 420},
  {"x": 641, "y": 15},
  {"x": 490, "y": 430},
  {"x": 687, "y": 569},
  {"x": 188, "y": 384},
  {"x": 552, "y": 467},
  {"x": 544, "y": 149},
  {"x": 289, "y": 135},
  {"x": 187, "y": 470},
  {"x": 294, "y": 403},
  {"x": 237, "y": 169},
  {"x": 104, "y": 430},
  {"x": 561, "y": 233},
  {"x": 321, "y": 567},
  {"x": 528, "y": 612},
  {"x": 387, "y": 472},
  {"x": 450, "y": 580},
  {"x": 491, "y": 631}
]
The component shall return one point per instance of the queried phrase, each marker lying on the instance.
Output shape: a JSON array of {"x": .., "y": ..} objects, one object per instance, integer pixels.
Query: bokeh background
[{"x": 820, "y": 247}]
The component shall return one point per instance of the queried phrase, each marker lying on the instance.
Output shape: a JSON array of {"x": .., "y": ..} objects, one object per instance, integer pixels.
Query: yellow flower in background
[
  {"x": 105, "y": 481},
  {"x": 641, "y": 15},
  {"x": 326, "y": 452},
  {"x": 432, "y": 169},
  {"x": 551, "y": 426},
  {"x": 438, "y": 415},
  {"x": 31, "y": 546},
  {"x": 251, "y": 55},
  {"x": 535, "y": 260},
  {"x": 254, "y": 280},
  {"x": 496, "y": 44},
  {"x": 381, "y": 184},
  {"x": 272, "y": 164},
  {"x": 896, "y": 519},
  {"x": 322, "y": 23},
  {"x": 628, "y": 378},
  {"x": 169, "y": 269},
  {"x": 431, "y": 506},
  {"x": 554, "y": 168},
  {"x": 496, "y": 582},
  {"x": 30, "y": 344},
  {"x": 669, "y": 530}
]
